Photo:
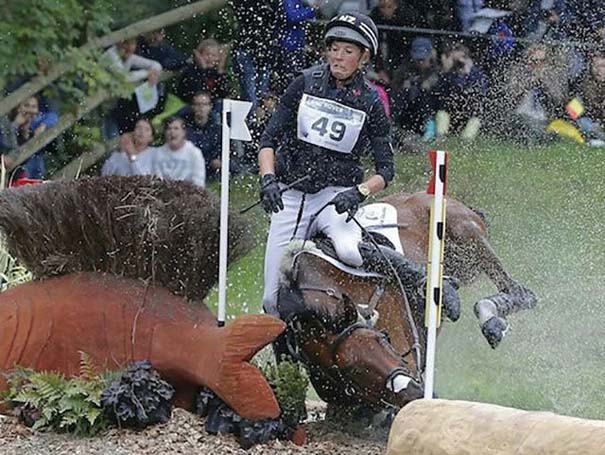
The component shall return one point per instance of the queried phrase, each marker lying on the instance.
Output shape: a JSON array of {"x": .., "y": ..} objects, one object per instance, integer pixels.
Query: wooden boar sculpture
[{"x": 120, "y": 264}]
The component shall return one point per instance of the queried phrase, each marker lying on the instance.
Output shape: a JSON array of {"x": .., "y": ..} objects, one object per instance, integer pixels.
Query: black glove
[
  {"x": 348, "y": 201},
  {"x": 270, "y": 194}
]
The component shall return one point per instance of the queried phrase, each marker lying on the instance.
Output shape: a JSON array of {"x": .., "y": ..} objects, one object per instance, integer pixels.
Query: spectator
[
  {"x": 153, "y": 46},
  {"x": 28, "y": 121},
  {"x": 254, "y": 45},
  {"x": 592, "y": 123},
  {"x": 122, "y": 58},
  {"x": 462, "y": 89},
  {"x": 203, "y": 131},
  {"x": 414, "y": 99},
  {"x": 534, "y": 93},
  {"x": 135, "y": 154},
  {"x": 291, "y": 38},
  {"x": 551, "y": 20},
  {"x": 178, "y": 158},
  {"x": 205, "y": 74},
  {"x": 397, "y": 13}
]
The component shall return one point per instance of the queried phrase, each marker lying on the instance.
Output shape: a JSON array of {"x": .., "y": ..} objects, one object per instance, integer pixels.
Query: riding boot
[{"x": 412, "y": 276}]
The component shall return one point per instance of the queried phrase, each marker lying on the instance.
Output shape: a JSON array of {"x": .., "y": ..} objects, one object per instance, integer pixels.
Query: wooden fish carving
[{"x": 44, "y": 324}]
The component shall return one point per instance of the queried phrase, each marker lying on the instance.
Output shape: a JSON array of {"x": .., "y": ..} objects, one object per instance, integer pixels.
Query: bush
[{"x": 290, "y": 382}]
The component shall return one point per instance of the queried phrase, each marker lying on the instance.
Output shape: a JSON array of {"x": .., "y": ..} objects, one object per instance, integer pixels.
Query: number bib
[{"x": 329, "y": 124}]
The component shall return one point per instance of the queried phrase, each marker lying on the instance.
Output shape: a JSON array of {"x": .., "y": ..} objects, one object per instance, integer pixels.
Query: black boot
[{"x": 412, "y": 276}]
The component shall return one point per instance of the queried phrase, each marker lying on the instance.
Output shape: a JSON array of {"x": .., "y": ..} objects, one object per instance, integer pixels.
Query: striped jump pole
[{"x": 434, "y": 294}]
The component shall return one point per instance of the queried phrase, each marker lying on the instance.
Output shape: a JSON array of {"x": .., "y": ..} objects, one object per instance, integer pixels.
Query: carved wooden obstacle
[
  {"x": 442, "y": 427},
  {"x": 115, "y": 320}
]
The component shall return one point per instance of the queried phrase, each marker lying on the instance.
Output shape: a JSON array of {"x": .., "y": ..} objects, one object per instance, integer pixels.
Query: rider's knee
[{"x": 349, "y": 255}]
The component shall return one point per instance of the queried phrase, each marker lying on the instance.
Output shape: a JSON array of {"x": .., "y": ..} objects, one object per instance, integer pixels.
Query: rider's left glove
[{"x": 348, "y": 201}]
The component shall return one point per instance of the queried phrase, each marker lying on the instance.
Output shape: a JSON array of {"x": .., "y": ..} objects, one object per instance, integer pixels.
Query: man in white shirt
[
  {"x": 178, "y": 158},
  {"x": 122, "y": 58}
]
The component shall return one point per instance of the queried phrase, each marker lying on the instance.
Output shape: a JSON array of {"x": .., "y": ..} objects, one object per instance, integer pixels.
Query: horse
[{"x": 357, "y": 331}]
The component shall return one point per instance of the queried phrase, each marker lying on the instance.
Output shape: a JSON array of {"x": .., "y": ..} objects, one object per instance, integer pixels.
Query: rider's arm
[
  {"x": 266, "y": 161},
  {"x": 382, "y": 150}
]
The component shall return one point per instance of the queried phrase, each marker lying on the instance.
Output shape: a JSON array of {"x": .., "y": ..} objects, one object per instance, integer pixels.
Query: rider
[{"x": 326, "y": 121}]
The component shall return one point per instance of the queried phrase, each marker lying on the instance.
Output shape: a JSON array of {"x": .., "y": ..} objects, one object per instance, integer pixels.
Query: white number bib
[{"x": 329, "y": 124}]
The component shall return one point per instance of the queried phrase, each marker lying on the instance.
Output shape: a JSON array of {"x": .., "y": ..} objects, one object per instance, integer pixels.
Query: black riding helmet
[{"x": 354, "y": 28}]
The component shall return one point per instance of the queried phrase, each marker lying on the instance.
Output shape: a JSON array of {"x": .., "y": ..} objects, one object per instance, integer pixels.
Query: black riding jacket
[{"x": 325, "y": 167}]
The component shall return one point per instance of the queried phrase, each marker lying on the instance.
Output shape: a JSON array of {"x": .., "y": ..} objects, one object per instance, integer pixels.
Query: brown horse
[{"x": 323, "y": 303}]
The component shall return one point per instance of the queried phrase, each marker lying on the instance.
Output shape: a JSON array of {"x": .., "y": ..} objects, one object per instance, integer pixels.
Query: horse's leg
[{"x": 513, "y": 296}]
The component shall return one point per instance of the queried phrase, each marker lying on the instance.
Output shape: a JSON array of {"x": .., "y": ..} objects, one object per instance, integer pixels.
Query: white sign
[{"x": 147, "y": 96}]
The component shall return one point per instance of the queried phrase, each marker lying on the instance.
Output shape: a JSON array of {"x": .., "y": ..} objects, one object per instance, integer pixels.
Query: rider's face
[{"x": 344, "y": 59}]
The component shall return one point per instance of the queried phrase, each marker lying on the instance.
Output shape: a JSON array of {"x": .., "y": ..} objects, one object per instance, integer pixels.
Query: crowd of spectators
[{"x": 525, "y": 70}]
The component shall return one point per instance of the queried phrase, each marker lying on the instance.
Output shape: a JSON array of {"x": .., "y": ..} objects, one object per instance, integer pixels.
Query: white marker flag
[{"x": 234, "y": 127}]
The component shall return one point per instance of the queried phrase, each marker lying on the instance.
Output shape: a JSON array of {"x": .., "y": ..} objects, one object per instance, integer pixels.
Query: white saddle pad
[{"x": 381, "y": 218}]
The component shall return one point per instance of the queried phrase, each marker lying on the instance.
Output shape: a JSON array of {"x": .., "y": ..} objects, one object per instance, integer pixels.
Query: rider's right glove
[{"x": 270, "y": 194}]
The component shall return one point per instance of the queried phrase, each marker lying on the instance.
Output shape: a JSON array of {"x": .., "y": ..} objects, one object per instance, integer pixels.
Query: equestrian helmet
[{"x": 355, "y": 28}]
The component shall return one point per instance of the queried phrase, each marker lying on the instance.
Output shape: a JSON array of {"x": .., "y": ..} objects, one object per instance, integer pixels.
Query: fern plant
[{"x": 48, "y": 400}]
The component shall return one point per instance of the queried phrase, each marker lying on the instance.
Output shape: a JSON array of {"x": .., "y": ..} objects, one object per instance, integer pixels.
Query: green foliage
[
  {"x": 52, "y": 402},
  {"x": 37, "y": 32},
  {"x": 290, "y": 382}
]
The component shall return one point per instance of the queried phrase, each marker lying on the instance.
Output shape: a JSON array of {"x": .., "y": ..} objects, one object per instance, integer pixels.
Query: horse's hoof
[{"x": 494, "y": 331}]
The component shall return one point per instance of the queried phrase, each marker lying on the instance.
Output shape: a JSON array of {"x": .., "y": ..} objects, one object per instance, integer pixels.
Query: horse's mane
[
  {"x": 335, "y": 317},
  {"x": 166, "y": 233}
]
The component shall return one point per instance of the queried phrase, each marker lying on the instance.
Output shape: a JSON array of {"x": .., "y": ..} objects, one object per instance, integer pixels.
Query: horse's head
[
  {"x": 350, "y": 362},
  {"x": 366, "y": 356}
]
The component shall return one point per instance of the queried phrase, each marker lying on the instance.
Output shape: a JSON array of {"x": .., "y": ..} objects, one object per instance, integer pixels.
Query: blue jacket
[{"x": 292, "y": 34}]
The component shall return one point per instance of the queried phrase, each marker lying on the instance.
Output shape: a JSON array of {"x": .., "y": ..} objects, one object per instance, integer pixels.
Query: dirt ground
[{"x": 185, "y": 434}]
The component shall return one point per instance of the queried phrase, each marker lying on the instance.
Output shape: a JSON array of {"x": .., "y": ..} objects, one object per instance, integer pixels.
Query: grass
[{"x": 545, "y": 207}]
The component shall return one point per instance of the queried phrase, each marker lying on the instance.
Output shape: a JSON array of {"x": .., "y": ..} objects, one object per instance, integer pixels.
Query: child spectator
[
  {"x": 178, "y": 158},
  {"x": 203, "y": 131},
  {"x": 135, "y": 154},
  {"x": 462, "y": 88}
]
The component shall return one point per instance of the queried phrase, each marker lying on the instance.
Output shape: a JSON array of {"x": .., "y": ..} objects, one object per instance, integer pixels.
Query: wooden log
[{"x": 443, "y": 427}]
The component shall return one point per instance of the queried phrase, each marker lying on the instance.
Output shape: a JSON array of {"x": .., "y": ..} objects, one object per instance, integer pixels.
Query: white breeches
[{"x": 345, "y": 236}]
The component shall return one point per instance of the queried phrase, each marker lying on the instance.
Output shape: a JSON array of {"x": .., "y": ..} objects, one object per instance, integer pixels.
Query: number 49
[{"x": 337, "y": 129}]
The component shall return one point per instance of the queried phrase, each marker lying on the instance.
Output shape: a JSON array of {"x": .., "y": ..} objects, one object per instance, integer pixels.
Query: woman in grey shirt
[{"x": 135, "y": 154}]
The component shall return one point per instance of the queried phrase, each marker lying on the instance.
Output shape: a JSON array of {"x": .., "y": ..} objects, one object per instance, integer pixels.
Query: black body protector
[{"x": 334, "y": 129}]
